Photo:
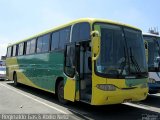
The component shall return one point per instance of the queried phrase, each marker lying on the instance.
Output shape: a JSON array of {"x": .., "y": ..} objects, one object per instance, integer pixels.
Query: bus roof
[
  {"x": 90, "y": 20},
  {"x": 150, "y": 34}
]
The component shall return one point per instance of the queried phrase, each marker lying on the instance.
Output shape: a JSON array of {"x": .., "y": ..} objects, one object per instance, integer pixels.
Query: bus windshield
[
  {"x": 122, "y": 52},
  {"x": 153, "y": 53}
]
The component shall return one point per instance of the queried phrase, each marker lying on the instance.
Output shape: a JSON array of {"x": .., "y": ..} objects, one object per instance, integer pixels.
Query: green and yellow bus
[{"x": 95, "y": 61}]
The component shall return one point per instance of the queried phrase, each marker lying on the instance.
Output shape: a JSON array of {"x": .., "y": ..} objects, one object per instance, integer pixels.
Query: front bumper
[{"x": 119, "y": 96}]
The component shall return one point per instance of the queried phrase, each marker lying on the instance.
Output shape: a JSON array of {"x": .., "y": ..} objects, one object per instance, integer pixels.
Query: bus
[
  {"x": 152, "y": 45},
  {"x": 95, "y": 61}
]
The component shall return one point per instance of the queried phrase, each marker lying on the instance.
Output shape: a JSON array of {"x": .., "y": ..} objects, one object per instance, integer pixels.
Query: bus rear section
[{"x": 152, "y": 44}]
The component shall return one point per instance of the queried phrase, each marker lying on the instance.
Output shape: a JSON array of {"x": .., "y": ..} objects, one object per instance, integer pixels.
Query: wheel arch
[
  {"x": 14, "y": 72},
  {"x": 58, "y": 80}
]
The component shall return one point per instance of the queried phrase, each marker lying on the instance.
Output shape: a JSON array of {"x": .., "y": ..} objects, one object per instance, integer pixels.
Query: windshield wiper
[{"x": 134, "y": 62}]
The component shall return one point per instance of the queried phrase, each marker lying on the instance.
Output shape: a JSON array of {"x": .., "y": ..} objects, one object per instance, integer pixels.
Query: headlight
[
  {"x": 151, "y": 80},
  {"x": 106, "y": 87}
]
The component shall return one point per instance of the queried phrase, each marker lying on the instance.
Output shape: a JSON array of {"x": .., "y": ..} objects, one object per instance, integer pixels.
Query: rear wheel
[
  {"x": 60, "y": 93},
  {"x": 15, "y": 79}
]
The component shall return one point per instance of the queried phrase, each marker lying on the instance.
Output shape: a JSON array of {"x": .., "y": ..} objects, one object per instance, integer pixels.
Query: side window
[
  {"x": 81, "y": 32},
  {"x": 14, "y": 50},
  {"x": 39, "y": 44},
  {"x": 28, "y": 47},
  {"x": 20, "y": 50},
  {"x": 64, "y": 37},
  {"x": 43, "y": 43},
  {"x": 32, "y": 46},
  {"x": 9, "y": 51},
  {"x": 55, "y": 40}
]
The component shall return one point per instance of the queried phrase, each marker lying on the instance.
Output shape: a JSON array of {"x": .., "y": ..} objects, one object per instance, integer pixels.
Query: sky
[{"x": 23, "y": 18}]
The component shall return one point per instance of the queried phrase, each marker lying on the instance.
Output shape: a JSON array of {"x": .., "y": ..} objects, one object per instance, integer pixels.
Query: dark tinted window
[
  {"x": 43, "y": 43},
  {"x": 20, "y": 50},
  {"x": 64, "y": 37},
  {"x": 14, "y": 50},
  {"x": 81, "y": 32},
  {"x": 55, "y": 41}
]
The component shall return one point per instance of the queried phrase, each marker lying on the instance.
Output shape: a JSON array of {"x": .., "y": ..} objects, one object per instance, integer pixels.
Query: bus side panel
[
  {"x": 11, "y": 66},
  {"x": 40, "y": 70}
]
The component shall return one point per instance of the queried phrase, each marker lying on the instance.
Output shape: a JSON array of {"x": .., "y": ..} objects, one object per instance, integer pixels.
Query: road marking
[
  {"x": 158, "y": 94},
  {"x": 61, "y": 111},
  {"x": 145, "y": 107},
  {"x": 141, "y": 106}
]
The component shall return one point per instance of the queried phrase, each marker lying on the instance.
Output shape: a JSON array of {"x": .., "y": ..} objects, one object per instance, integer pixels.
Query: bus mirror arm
[{"x": 95, "y": 44}]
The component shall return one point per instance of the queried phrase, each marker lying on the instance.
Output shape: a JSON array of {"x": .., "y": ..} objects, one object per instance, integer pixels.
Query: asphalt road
[{"x": 28, "y": 100}]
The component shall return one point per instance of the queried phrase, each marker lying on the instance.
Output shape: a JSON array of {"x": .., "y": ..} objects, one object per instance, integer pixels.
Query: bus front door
[{"x": 70, "y": 57}]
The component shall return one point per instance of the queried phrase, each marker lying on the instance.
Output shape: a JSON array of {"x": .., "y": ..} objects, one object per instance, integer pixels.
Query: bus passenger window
[
  {"x": 45, "y": 44},
  {"x": 20, "y": 49},
  {"x": 81, "y": 32},
  {"x": 32, "y": 46},
  {"x": 55, "y": 41},
  {"x": 39, "y": 44},
  {"x": 64, "y": 37}
]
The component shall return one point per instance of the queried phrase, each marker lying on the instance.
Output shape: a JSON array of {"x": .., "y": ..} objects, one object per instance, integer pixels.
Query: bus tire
[
  {"x": 15, "y": 79},
  {"x": 60, "y": 93}
]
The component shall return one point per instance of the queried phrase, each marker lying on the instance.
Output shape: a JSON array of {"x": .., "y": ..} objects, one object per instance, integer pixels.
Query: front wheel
[
  {"x": 15, "y": 79},
  {"x": 60, "y": 93}
]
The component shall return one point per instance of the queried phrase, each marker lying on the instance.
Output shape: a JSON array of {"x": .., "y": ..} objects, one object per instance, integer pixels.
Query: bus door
[
  {"x": 85, "y": 73},
  {"x": 146, "y": 49},
  {"x": 71, "y": 56}
]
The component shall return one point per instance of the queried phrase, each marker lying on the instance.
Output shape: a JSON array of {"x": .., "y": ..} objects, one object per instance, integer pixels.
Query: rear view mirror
[{"x": 95, "y": 44}]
